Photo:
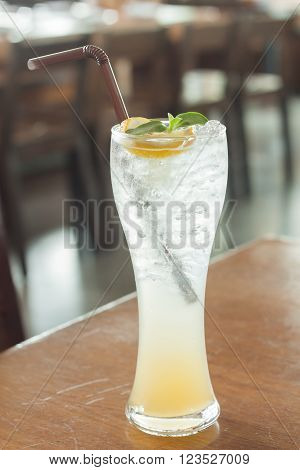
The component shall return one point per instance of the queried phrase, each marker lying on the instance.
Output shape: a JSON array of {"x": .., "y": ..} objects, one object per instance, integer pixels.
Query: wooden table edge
[{"x": 109, "y": 306}]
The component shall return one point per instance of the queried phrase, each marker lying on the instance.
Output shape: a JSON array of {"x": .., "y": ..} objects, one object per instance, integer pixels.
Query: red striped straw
[{"x": 91, "y": 52}]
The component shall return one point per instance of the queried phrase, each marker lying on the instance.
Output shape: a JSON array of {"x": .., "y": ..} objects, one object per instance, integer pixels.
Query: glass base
[{"x": 177, "y": 426}]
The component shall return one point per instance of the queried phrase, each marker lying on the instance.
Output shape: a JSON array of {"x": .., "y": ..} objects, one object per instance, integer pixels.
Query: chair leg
[
  {"x": 10, "y": 196},
  {"x": 12, "y": 215},
  {"x": 288, "y": 163},
  {"x": 85, "y": 187},
  {"x": 20, "y": 251},
  {"x": 101, "y": 175},
  {"x": 77, "y": 194},
  {"x": 239, "y": 178},
  {"x": 242, "y": 139},
  {"x": 231, "y": 188},
  {"x": 14, "y": 230},
  {"x": 9, "y": 311},
  {"x": 81, "y": 183}
]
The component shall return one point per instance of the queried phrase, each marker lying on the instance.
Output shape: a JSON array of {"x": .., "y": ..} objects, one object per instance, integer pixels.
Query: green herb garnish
[
  {"x": 147, "y": 128},
  {"x": 180, "y": 121},
  {"x": 190, "y": 119}
]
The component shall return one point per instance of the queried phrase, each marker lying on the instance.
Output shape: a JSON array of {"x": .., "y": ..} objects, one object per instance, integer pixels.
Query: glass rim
[{"x": 115, "y": 131}]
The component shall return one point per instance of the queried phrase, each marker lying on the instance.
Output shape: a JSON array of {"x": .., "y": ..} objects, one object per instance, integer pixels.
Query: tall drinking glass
[{"x": 169, "y": 193}]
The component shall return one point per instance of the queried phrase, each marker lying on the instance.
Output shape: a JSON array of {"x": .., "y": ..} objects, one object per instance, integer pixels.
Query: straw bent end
[{"x": 34, "y": 64}]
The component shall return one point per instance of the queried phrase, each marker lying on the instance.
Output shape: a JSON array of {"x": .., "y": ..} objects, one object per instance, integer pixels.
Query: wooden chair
[
  {"x": 41, "y": 112},
  {"x": 254, "y": 38},
  {"x": 207, "y": 90},
  {"x": 138, "y": 54},
  {"x": 199, "y": 88},
  {"x": 11, "y": 330}
]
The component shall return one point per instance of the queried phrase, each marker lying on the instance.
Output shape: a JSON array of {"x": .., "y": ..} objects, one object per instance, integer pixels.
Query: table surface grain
[{"x": 67, "y": 389}]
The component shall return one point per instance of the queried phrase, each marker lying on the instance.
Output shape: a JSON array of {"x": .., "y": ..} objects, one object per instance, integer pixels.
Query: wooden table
[
  {"x": 67, "y": 389},
  {"x": 46, "y": 24}
]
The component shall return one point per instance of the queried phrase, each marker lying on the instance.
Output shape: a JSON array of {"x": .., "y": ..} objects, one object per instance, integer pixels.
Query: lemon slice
[
  {"x": 157, "y": 144},
  {"x": 132, "y": 123}
]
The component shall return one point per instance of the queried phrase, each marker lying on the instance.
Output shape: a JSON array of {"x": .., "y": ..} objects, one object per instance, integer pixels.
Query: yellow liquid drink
[
  {"x": 169, "y": 191},
  {"x": 172, "y": 377}
]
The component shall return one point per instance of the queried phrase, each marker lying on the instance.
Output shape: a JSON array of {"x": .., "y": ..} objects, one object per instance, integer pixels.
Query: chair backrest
[
  {"x": 202, "y": 40},
  {"x": 255, "y": 36},
  {"x": 11, "y": 330},
  {"x": 29, "y": 92},
  {"x": 138, "y": 55},
  {"x": 38, "y": 100}
]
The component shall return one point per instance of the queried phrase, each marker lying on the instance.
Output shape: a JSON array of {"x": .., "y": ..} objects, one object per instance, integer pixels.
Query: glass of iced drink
[
  {"x": 169, "y": 180},
  {"x": 169, "y": 185}
]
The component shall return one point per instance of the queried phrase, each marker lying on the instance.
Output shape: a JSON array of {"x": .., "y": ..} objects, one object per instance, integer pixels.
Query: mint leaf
[
  {"x": 175, "y": 123},
  {"x": 148, "y": 128},
  {"x": 190, "y": 119},
  {"x": 171, "y": 121}
]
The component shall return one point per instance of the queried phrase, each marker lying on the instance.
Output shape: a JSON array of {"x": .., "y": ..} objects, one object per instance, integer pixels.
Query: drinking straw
[{"x": 91, "y": 52}]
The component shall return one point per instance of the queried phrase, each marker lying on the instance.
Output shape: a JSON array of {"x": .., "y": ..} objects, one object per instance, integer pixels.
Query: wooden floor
[{"x": 64, "y": 283}]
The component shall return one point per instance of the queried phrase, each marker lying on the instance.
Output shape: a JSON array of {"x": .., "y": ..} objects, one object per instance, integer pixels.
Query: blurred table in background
[
  {"x": 58, "y": 19},
  {"x": 45, "y": 21}
]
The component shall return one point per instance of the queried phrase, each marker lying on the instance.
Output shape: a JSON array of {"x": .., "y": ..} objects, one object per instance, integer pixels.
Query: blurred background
[{"x": 233, "y": 60}]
